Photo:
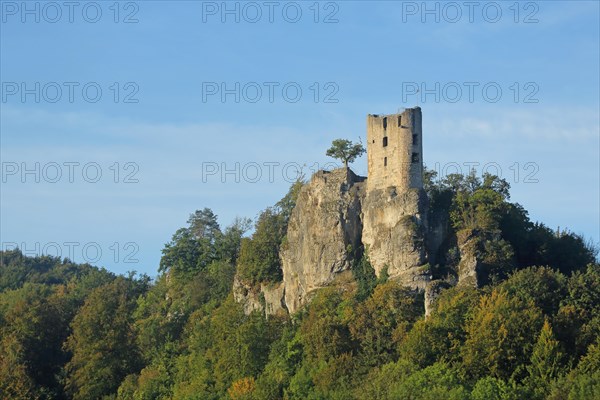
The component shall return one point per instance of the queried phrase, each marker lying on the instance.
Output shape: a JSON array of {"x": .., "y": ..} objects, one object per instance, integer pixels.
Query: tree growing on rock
[{"x": 346, "y": 151}]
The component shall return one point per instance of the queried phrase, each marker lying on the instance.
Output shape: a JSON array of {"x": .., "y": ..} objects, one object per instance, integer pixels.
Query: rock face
[
  {"x": 393, "y": 233},
  {"x": 483, "y": 254},
  {"x": 324, "y": 228},
  {"x": 267, "y": 297},
  {"x": 438, "y": 231},
  {"x": 470, "y": 263},
  {"x": 432, "y": 292},
  {"x": 333, "y": 217}
]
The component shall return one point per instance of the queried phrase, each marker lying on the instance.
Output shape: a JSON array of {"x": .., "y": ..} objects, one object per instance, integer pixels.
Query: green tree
[
  {"x": 500, "y": 336},
  {"x": 155, "y": 381},
  {"x": 478, "y": 203},
  {"x": 489, "y": 388},
  {"x": 583, "y": 382},
  {"x": 543, "y": 286},
  {"x": 103, "y": 343},
  {"x": 15, "y": 379},
  {"x": 34, "y": 323},
  {"x": 438, "y": 381},
  {"x": 441, "y": 336},
  {"x": 259, "y": 259},
  {"x": 183, "y": 254},
  {"x": 536, "y": 244},
  {"x": 439, "y": 195},
  {"x": 223, "y": 346},
  {"x": 382, "y": 320},
  {"x": 547, "y": 363},
  {"x": 345, "y": 151},
  {"x": 259, "y": 255},
  {"x": 376, "y": 384},
  {"x": 323, "y": 331},
  {"x": 193, "y": 247},
  {"x": 203, "y": 225},
  {"x": 284, "y": 359},
  {"x": 577, "y": 322},
  {"x": 17, "y": 269},
  {"x": 364, "y": 275},
  {"x": 228, "y": 247},
  {"x": 156, "y": 320}
]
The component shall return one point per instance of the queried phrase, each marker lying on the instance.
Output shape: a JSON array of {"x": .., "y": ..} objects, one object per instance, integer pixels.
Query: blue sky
[{"x": 169, "y": 133}]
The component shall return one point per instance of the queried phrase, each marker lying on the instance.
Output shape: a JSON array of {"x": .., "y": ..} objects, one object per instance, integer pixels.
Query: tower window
[
  {"x": 385, "y": 161},
  {"x": 399, "y": 120},
  {"x": 415, "y": 139},
  {"x": 384, "y": 123},
  {"x": 415, "y": 157},
  {"x": 385, "y": 141}
]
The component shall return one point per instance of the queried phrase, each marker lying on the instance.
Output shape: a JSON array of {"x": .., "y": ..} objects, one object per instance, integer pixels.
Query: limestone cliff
[
  {"x": 469, "y": 245},
  {"x": 432, "y": 292},
  {"x": 394, "y": 227},
  {"x": 484, "y": 256},
  {"x": 324, "y": 228},
  {"x": 267, "y": 297},
  {"x": 334, "y": 217},
  {"x": 335, "y": 220}
]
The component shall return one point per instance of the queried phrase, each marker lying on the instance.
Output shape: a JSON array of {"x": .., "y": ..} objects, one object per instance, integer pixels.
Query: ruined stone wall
[{"x": 395, "y": 150}]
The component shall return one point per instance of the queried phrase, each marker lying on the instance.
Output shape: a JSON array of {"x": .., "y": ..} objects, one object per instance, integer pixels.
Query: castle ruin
[
  {"x": 395, "y": 150},
  {"x": 394, "y": 216},
  {"x": 339, "y": 216}
]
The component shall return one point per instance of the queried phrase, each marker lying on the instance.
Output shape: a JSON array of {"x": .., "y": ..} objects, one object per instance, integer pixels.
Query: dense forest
[{"x": 531, "y": 330}]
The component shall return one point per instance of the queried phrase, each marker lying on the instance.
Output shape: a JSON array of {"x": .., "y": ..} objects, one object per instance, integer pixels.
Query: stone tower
[
  {"x": 394, "y": 210},
  {"x": 395, "y": 150}
]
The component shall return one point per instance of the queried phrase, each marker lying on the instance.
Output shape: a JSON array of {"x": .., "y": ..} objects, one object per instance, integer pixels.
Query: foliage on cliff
[
  {"x": 503, "y": 236},
  {"x": 259, "y": 255}
]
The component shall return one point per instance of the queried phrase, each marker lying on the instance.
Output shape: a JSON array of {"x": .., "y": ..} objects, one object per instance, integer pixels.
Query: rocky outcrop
[
  {"x": 438, "y": 232},
  {"x": 335, "y": 220},
  {"x": 324, "y": 229},
  {"x": 334, "y": 216},
  {"x": 393, "y": 234},
  {"x": 247, "y": 295},
  {"x": 267, "y": 297},
  {"x": 484, "y": 256},
  {"x": 432, "y": 292},
  {"x": 338, "y": 217},
  {"x": 470, "y": 259}
]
